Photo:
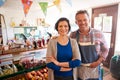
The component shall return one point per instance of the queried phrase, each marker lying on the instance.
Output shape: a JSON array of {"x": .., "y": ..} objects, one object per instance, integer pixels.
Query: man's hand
[
  {"x": 94, "y": 64},
  {"x": 97, "y": 63}
]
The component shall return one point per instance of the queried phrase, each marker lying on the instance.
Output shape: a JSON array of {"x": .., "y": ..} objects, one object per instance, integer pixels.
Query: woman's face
[{"x": 63, "y": 28}]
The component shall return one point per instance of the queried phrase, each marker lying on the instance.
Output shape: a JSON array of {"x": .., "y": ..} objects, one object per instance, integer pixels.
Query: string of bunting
[{"x": 43, "y": 4}]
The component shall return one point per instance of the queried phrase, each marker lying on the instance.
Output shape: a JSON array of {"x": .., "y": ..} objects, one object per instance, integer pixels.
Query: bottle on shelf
[
  {"x": 39, "y": 42},
  {"x": 43, "y": 42},
  {"x": 34, "y": 44}
]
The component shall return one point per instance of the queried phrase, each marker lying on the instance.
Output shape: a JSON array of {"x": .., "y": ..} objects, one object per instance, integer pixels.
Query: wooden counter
[
  {"x": 19, "y": 50},
  {"x": 18, "y": 53},
  {"x": 38, "y": 53}
]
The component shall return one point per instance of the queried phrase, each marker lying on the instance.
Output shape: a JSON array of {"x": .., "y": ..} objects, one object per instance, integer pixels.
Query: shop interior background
[{"x": 13, "y": 12}]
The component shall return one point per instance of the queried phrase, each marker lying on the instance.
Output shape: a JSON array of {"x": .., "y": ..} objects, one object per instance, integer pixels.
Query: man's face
[{"x": 83, "y": 21}]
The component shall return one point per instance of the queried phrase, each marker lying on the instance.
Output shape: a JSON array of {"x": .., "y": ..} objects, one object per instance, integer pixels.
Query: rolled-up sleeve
[
  {"x": 104, "y": 47},
  {"x": 53, "y": 66},
  {"x": 74, "y": 63}
]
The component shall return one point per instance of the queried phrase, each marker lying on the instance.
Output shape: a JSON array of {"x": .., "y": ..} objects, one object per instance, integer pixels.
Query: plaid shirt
[{"x": 94, "y": 36}]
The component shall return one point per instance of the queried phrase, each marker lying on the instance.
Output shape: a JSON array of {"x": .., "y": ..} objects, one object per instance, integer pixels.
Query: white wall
[
  {"x": 17, "y": 15},
  {"x": 117, "y": 44}
]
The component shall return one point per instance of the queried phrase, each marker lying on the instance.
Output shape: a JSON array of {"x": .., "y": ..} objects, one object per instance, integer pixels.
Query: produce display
[
  {"x": 41, "y": 74},
  {"x": 17, "y": 77},
  {"x": 29, "y": 62},
  {"x": 30, "y": 66},
  {"x": 7, "y": 69}
]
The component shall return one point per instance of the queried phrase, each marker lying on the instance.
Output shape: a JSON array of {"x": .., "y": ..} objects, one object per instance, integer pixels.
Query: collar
[{"x": 90, "y": 30}]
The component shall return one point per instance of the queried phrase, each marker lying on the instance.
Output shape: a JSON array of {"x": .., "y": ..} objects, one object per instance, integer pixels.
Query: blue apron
[{"x": 88, "y": 52}]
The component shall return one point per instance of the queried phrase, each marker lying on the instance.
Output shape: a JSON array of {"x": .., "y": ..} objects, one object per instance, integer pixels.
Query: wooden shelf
[{"x": 19, "y": 50}]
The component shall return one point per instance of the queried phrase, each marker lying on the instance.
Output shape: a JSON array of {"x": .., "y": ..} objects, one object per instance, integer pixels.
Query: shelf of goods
[
  {"x": 19, "y": 50},
  {"x": 31, "y": 66}
]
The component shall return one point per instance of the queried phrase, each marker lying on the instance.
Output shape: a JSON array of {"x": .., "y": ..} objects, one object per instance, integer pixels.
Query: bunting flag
[
  {"x": 59, "y": 7},
  {"x": 69, "y": 2},
  {"x": 2, "y": 2},
  {"x": 26, "y": 6},
  {"x": 57, "y": 3},
  {"x": 44, "y": 6}
]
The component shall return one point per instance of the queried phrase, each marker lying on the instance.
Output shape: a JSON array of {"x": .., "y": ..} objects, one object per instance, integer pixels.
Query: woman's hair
[{"x": 60, "y": 20}]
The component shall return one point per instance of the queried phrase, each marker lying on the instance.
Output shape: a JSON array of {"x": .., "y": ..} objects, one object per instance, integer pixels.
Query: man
[{"x": 92, "y": 46}]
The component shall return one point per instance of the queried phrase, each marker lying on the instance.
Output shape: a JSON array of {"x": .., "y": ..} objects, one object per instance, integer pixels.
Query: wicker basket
[{"x": 17, "y": 77}]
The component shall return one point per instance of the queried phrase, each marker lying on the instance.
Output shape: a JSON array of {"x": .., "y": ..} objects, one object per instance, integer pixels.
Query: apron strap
[
  {"x": 78, "y": 36},
  {"x": 91, "y": 34}
]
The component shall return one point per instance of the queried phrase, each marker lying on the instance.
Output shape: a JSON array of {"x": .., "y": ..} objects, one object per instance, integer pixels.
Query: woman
[{"x": 62, "y": 54}]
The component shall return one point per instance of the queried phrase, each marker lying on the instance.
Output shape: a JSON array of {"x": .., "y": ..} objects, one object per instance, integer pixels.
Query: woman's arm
[
  {"x": 57, "y": 68},
  {"x": 74, "y": 62},
  {"x": 52, "y": 66},
  {"x": 70, "y": 64}
]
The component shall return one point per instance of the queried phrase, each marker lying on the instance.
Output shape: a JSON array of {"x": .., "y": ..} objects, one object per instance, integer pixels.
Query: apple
[
  {"x": 45, "y": 70},
  {"x": 33, "y": 73},
  {"x": 29, "y": 75}
]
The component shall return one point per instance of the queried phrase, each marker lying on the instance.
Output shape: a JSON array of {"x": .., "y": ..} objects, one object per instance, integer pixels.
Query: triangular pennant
[
  {"x": 69, "y": 2},
  {"x": 26, "y": 6},
  {"x": 24, "y": 1},
  {"x": 59, "y": 7},
  {"x": 44, "y": 6},
  {"x": 2, "y": 2},
  {"x": 57, "y": 3}
]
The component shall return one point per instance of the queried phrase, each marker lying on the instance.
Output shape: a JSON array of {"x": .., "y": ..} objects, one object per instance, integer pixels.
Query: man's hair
[{"x": 82, "y": 12}]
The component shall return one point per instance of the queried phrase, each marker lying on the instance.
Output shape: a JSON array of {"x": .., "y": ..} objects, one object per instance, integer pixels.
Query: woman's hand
[
  {"x": 61, "y": 64},
  {"x": 65, "y": 69},
  {"x": 52, "y": 59}
]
